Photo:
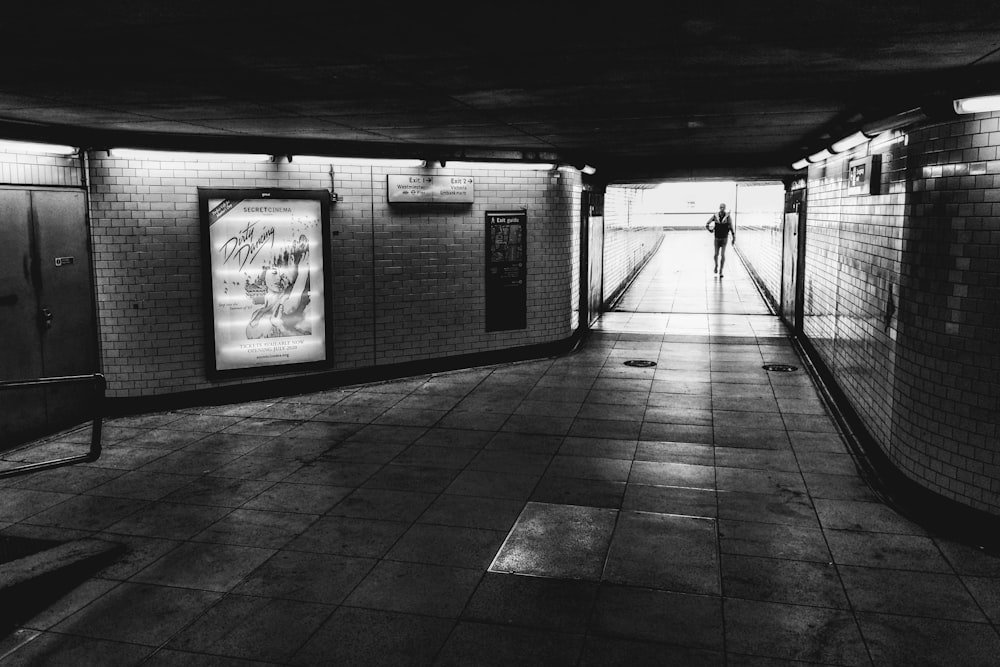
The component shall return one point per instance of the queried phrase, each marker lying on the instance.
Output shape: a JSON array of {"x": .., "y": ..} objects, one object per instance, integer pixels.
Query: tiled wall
[
  {"x": 758, "y": 233},
  {"x": 901, "y": 301},
  {"x": 628, "y": 240},
  {"x": 948, "y": 379},
  {"x": 408, "y": 281},
  {"x": 40, "y": 170}
]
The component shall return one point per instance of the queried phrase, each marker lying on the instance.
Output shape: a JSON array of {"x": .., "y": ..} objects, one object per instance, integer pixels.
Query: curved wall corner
[
  {"x": 408, "y": 281},
  {"x": 947, "y": 389},
  {"x": 902, "y": 302}
]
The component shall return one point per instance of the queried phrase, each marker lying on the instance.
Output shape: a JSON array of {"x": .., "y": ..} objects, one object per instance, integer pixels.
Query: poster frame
[
  {"x": 322, "y": 197},
  {"x": 506, "y": 300}
]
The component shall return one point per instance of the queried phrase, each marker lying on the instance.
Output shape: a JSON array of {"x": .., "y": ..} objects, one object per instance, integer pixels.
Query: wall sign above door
[{"x": 424, "y": 189}]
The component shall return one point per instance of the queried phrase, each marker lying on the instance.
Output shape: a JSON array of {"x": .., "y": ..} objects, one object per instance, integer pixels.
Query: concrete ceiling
[{"x": 692, "y": 90}]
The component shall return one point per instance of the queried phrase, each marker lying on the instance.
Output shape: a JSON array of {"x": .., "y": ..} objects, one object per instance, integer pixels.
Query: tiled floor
[{"x": 566, "y": 511}]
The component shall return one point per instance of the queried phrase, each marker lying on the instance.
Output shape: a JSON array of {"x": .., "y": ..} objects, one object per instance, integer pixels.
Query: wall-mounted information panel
[
  {"x": 417, "y": 188},
  {"x": 506, "y": 270},
  {"x": 267, "y": 272}
]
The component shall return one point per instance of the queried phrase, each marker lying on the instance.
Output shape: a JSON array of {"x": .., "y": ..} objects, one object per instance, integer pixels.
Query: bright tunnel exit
[{"x": 658, "y": 255}]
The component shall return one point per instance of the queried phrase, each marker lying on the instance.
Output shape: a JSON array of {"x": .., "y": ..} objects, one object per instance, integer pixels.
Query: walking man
[{"x": 722, "y": 224}]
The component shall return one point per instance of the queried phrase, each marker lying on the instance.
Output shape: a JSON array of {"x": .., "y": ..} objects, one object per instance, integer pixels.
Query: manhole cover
[
  {"x": 640, "y": 363},
  {"x": 780, "y": 368}
]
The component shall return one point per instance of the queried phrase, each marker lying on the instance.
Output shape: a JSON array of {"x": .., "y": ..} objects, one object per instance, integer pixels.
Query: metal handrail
[{"x": 95, "y": 434}]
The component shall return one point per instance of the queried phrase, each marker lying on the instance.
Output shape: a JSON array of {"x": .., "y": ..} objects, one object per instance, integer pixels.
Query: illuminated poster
[
  {"x": 266, "y": 266},
  {"x": 506, "y": 270}
]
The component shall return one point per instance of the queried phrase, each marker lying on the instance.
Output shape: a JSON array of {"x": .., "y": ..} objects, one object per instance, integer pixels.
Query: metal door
[{"x": 46, "y": 305}]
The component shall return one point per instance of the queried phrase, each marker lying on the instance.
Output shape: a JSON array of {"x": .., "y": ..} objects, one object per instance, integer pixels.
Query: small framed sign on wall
[{"x": 863, "y": 176}]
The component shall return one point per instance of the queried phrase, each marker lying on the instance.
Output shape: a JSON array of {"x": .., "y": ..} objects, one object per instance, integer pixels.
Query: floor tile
[
  {"x": 771, "y": 540},
  {"x": 588, "y": 467},
  {"x": 886, "y": 550},
  {"x": 488, "y": 484},
  {"x": 986, "y": 591},
  {"x": 62, "y": 649},
  {"x": 672, "y": 474},
  {"x": 473, "y": 548},
  {"x": 257, "y": 528},
  {"x": 139, "y": 614},
  {"x": 373, "y": 638},
  {"x": 680, "y": 619},
  {"x": 910, "y": 593},
  {"x": 535, "y": 602},
  {"x": 434, "y": 457},
  {"x": 664, "y": 551},
  {"x": 292, "y": 575},
  {"x": 472, "y": 512},
  {"x": 349, "y": 536},
  {"x": 671, "y": 500},
  {"x": 383, "y": 504},
  {"x": 561, "y": 541},
  {"x": 781, "y": 580},
  {"x": 675, "y": 452},
  {"x": 863, "y": 516},
  {"x": 172, "y": 521},
  {"x": 793, "y": 632},
  {"x": 253, "y": 628},
  {"x": 416, "y": 588},
  {"x": 501, "y": 646},
  {"x": 904, "y": 640},
  {"x": 205, "y": 566},
  {"x": 87, "y": 512},
  {"x": 599, "y": 447},
  {"x": 303, "y": 498},
  {"x": 577, "y": 491},
  {"x": 744, "y": 480},
  {"x": 608, "y": 652},
  {"x": 782, "y": 506}
]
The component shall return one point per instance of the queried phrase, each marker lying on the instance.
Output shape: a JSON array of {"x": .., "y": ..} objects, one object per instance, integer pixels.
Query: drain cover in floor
[
  {"x": 780, "y": 368},
  {"x": 640, "y": 363}
]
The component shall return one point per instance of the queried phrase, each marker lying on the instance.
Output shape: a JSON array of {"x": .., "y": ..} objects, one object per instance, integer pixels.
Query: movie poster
[{"x": 267, "y": 279}]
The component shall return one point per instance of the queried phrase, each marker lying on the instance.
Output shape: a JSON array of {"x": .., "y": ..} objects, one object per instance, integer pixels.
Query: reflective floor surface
[{"x": 575, "y": 510}]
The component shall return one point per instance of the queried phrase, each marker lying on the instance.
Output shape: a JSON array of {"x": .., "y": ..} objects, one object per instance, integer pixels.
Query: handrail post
[{"x": 96, "y": 430}]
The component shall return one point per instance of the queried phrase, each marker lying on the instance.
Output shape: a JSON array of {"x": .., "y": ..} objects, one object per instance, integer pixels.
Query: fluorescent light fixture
[
  {"x": 849, "y": 142},
  {"x": 530, "y": 166},
  {"x": 897, "y": 122},
  {"x": 9, "y": 146},
  {"x": 977, "y": 104},
  {"x": 801, "y": 164},
  {"x": 177, "y": 156},
  {"x": 820, "y": 156},
  {"x": 359, "y": 161},
  {"x": 588, "y": 170}
]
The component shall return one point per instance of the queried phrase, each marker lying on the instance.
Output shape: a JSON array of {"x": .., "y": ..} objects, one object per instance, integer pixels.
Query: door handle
[
  {"x": 8, "y": 300},
  {"x": 45, "y": 319}
]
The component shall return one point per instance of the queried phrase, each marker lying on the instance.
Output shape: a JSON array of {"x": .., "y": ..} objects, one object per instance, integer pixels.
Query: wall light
[
  {"x": 9, "y": 146},
  {"x": 849, "y": 142},
  {"x": 977, "y": 104},
  {"x": 177, "y": 156},
  {"x": 801, "y": 164},
  {"x": 588, "y": 170}
]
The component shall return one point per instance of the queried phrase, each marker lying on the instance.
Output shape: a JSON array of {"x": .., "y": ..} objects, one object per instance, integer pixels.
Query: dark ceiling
[{"x": 647, "y": 94}]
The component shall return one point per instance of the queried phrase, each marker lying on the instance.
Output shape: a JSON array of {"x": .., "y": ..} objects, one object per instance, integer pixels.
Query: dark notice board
[{"x": 506, "y": 270}]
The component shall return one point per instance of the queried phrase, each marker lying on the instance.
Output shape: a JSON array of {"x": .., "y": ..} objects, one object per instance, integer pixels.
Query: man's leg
[
  {"x": 715, "y": 257},
  {"x": 722, "y": 257}
]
